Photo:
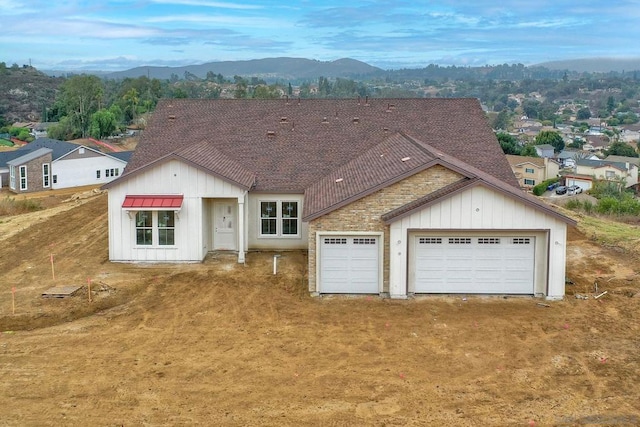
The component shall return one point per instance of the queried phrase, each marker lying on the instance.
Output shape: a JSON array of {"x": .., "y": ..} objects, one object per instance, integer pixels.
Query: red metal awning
[{"x": 156, "y": 202}]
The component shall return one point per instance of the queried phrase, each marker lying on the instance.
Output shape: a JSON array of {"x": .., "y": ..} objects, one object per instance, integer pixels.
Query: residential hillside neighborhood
[
  {"x": 296, "y": 258},
  {"x": 388, "y": 195}
]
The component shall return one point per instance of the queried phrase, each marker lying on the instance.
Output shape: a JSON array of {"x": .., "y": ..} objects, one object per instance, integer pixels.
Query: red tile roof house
[{"x": 391, "y": 197}]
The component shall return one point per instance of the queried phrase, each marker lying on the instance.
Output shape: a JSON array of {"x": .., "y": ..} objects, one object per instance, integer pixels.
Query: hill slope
[
  {"x": 275, "y": 68},
  {"x": 25, "y": 92},
  {"x": 595, "y": 65}
]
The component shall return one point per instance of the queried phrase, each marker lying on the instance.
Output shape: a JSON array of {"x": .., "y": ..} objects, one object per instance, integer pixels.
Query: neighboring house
[
  {"x": 545, "y": 150},
  {"x": 567, "y": 158},
  {"x": 596, "y": 143},
  {"x": 589, "y": 170},
  {"x": 39, "y": 130},
  {"x": 531, "y": 171},
  {"x": 630, "y": 135},
  {"x": 51, "y": 164},
  {"x": 392, "y": 197}
]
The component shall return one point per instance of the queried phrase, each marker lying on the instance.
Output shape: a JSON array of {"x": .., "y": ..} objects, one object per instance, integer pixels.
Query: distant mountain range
[
  {"x": 594, "y": 65},
  {"x": 291, "y": 69},
  {"x": 268, "y": 68}
]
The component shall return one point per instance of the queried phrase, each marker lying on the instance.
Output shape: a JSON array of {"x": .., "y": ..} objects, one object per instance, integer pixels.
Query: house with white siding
[
  {"x": 394, "y": 197},
  {"x": 46, "y": 164}
]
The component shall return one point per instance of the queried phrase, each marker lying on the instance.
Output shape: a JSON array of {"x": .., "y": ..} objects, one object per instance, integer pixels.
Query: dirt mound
[{"x": 222, "y": 343}]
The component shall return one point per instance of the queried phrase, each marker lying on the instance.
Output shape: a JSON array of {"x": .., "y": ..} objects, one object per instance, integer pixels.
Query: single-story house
[
  {"x": 51, "y": 164},
  {"x": 389, "y": 196},
  {"x": 531, "y": 171}
]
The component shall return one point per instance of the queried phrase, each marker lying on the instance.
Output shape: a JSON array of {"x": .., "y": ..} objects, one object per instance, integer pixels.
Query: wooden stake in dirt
[
  {"x": 89, "y": 287},
  {"x": 13, "y": 300},
  {"x": 598, "y": 296},
  {"x": 53, "y": 272}
]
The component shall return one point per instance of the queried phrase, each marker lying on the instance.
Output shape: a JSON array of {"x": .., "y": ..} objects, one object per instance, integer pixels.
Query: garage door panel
[
  {"x": 481, "y": 264},
  {"x": 349, "y": 264}
]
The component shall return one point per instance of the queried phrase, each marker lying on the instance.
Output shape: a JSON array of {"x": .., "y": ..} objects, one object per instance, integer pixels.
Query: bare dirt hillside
[{"x": 220, "y": 343}]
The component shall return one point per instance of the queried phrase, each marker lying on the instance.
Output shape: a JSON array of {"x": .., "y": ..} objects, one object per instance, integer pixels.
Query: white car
[{"x": 574, "y": 189}]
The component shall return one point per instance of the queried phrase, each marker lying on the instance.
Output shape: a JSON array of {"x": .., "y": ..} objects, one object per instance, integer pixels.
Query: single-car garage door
[
  {"x": 479, "y": 265},
  {"x": 349, "y": 264}
]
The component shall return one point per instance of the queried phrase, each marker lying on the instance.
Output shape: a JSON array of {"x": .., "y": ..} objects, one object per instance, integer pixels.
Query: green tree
[
  {"x": 508, "y": 143},
  {"x": 611, "y": 104},
  {"x": 82, "y": 96},
  {"x": 266, "y": 92},
  {"x": 131, "y": 99},
  {"x": 502, "y": 120},
  {"x": 64, "y": 130},
  {"x": 529, "y": 150},
  {"x": 550, "y": 137},
  {"x": 103, "y": 123},
  {"x": 620, "y": 148},
  {"x": 583, "y": 113}
]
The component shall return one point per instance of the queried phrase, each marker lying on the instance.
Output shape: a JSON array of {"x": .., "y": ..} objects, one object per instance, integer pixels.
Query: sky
[{"x": 112, "y": 35}]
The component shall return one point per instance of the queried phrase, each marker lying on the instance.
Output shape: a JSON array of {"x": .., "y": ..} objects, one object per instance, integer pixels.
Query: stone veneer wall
[
  {"x": 364, "y": 214},
  {"x": 34, "y": 175}
]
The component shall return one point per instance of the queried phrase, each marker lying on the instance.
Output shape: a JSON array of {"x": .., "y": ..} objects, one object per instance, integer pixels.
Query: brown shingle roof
[
  {"x": 393, "y": 159},
  {"x": 289, "y": 145},
  {"x": 520, "y": 160}
]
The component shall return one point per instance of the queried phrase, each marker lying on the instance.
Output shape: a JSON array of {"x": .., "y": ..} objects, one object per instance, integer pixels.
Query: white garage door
[
  {"x": 349, "y": 264},
  {"x": 478, "y": 265}
]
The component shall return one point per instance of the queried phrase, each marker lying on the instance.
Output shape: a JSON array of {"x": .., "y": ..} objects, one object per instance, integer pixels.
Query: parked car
[
  {"x": 552, "y": 186},
  {"x": 561, "y": 190},
  {"x": 574, "y": 189}
]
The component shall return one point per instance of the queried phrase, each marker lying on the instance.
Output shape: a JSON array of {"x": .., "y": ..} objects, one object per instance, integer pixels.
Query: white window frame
[
  {"x": 529, "y": 170},
  {"x": 528, "y": 181},
  {"x": 280, "y": 218},
  {"x": 155, "y": 229},
  {"x": 46, "y": 175},
  {"x": 169, "y": 228},
  {"x": 12, "y": 177},
  {"x": 23, "y": 177}
]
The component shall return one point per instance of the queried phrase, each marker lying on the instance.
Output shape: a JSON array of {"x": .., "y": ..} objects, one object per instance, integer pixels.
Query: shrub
[
  {"x": 11, "y": 206},
  {"x": 573, "y": 204},
  {"x": 539, "y": 189}
]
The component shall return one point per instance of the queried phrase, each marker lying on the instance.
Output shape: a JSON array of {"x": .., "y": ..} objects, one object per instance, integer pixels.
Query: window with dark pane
[
  {"x": 268, "y": 217},
  {"x": 166, "y": 227},
  {"x": 289, "y": 218},
  {"x": 144, "y": 230}
]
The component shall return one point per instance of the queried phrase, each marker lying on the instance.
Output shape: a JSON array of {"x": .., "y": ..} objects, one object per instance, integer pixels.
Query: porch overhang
[{"x": 171, "y": 202}]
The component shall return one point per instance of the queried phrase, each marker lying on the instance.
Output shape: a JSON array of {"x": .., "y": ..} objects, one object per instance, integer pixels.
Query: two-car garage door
[
  {"x": 485, "y": 264},
  {"x": 481, "y": 265}
]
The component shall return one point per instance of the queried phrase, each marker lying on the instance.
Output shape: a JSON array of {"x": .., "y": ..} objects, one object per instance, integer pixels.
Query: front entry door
[{"x": 224, "y": 226}]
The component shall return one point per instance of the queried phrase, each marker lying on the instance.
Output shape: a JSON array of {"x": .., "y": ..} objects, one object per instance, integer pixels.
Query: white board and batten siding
[
  {"x": 79, "y": 169},
  {"x": 191, "y": 238},
  {"x": 349, "y": 263},
  {"x": 480, "y": 212}
]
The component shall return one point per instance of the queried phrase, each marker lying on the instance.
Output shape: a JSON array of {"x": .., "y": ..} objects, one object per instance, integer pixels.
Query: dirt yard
[{"x": 220, "y": 343}]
